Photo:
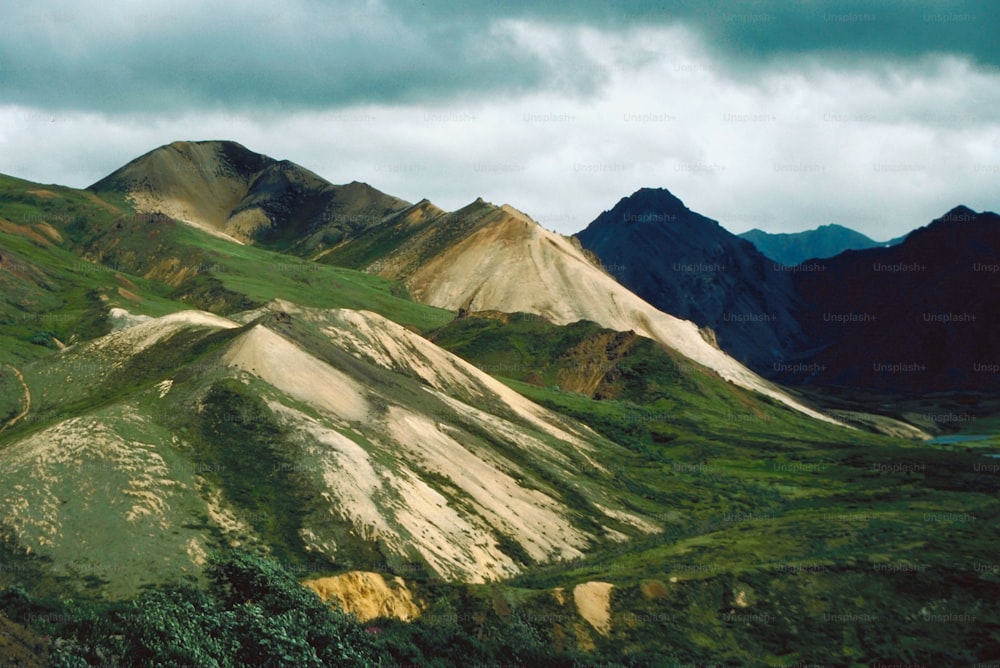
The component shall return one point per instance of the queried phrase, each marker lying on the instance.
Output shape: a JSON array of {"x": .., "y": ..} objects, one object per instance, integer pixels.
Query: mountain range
[
  {"x": 481, "y": 257},
  {"x": 792, "y": 248},
  {"x": 461, "y": 425},
  {"x": 363, "y": 437},
  {"x": 918, "y": 316}
]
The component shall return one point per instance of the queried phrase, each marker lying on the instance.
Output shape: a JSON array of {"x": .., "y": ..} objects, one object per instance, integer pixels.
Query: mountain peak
[
  {"x": 217, "y": 143},
  {"x": 224, "y": 188},
  {"x": 959, "y": 214},
  {"x": 690, "y": 266},
  {"x": 234, "y": 153},
  {"x": 662, "y": 193},
  {"x": 653, "y": 208},
  {"x": 654, "y": 205},
  {"x": 516, "y": 213}
]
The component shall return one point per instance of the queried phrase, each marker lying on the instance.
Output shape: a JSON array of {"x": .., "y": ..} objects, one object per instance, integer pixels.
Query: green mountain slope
[
  {"x": 50, "y": 295},
  {"x": 67, "y": 258}
]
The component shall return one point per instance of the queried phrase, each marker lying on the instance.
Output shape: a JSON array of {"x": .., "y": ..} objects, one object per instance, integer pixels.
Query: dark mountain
[
  {"x": 825, "y": 241},
  {"x": 920, "y": 316},
  {"x": 688, "y": 265},
  {"x": 224, "y": 188}
]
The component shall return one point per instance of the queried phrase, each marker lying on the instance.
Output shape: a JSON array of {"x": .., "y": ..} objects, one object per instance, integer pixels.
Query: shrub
[{"x": 254, "y": 614}]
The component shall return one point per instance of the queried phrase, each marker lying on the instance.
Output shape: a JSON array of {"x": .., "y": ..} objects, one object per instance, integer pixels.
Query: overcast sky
[{"x": 779, "y": 115}]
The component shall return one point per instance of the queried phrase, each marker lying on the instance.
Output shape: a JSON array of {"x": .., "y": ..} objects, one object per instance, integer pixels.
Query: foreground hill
[
  {"x": 224, "y": 188},
  {"x": 792, "y": 248},
  {"x": 332, "y": 437},
  {"x": 688, "y": 265},
  {"x": 487, "y": 257}
]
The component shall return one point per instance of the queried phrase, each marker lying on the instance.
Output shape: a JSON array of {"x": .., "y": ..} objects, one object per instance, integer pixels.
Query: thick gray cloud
[
  {"x": 760, "y": 114},
  {"x": 129, "y": 56},
  {"x": 172, "y": 56}
]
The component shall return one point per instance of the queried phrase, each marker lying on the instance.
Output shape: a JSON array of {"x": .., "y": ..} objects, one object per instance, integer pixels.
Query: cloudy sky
[{"x": 779, "y": 115}]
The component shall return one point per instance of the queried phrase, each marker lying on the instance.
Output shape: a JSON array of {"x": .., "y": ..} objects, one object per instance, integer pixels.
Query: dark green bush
[{"x": 254, "y": 614}]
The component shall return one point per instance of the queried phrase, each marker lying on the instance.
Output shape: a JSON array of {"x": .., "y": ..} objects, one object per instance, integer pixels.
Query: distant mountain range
[
  {"x": 481, "y": 257},
  {"x": 923, "y": 315},
  {"x": 785, "y": 320},
  {"x": 918, "y": 316},
  {"x": 823, "y": 242}
]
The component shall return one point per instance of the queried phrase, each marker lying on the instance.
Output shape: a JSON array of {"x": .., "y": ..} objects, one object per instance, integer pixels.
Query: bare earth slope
[
  {"x": 496, "y": 258},
  {"x": 482, "y": 257},
  {"x": 369, "y": 442}
]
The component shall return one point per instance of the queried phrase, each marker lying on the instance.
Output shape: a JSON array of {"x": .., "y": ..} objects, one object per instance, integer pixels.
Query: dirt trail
[{"x": 27, "y": 402}]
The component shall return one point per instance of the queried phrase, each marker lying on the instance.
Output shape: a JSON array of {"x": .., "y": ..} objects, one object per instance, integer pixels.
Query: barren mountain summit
[{"x": 226, "y": 189}]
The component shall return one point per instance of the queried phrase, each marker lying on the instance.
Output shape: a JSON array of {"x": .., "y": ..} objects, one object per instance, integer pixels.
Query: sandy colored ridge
[
  {"x": 390, "y": 502},
  {"x": 456, "y": 540},
  {"x": 367, "y": 595},
  {"x": 510, "y": 263},
  {"x": 536, "y": 520},
  {"x": 180, "y": 209},
  {"x": 188, "y": 181},
  {"x": 136, "y": 338},
  {"x": 392, "y": 346},
  {"x": 230, "y": 192},
  {"x": 394, "y": 505},
  {"x": 282, "y": 364}
]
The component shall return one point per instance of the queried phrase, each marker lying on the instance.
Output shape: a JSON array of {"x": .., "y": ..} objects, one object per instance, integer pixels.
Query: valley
[{"x": 467, "y": 431}]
